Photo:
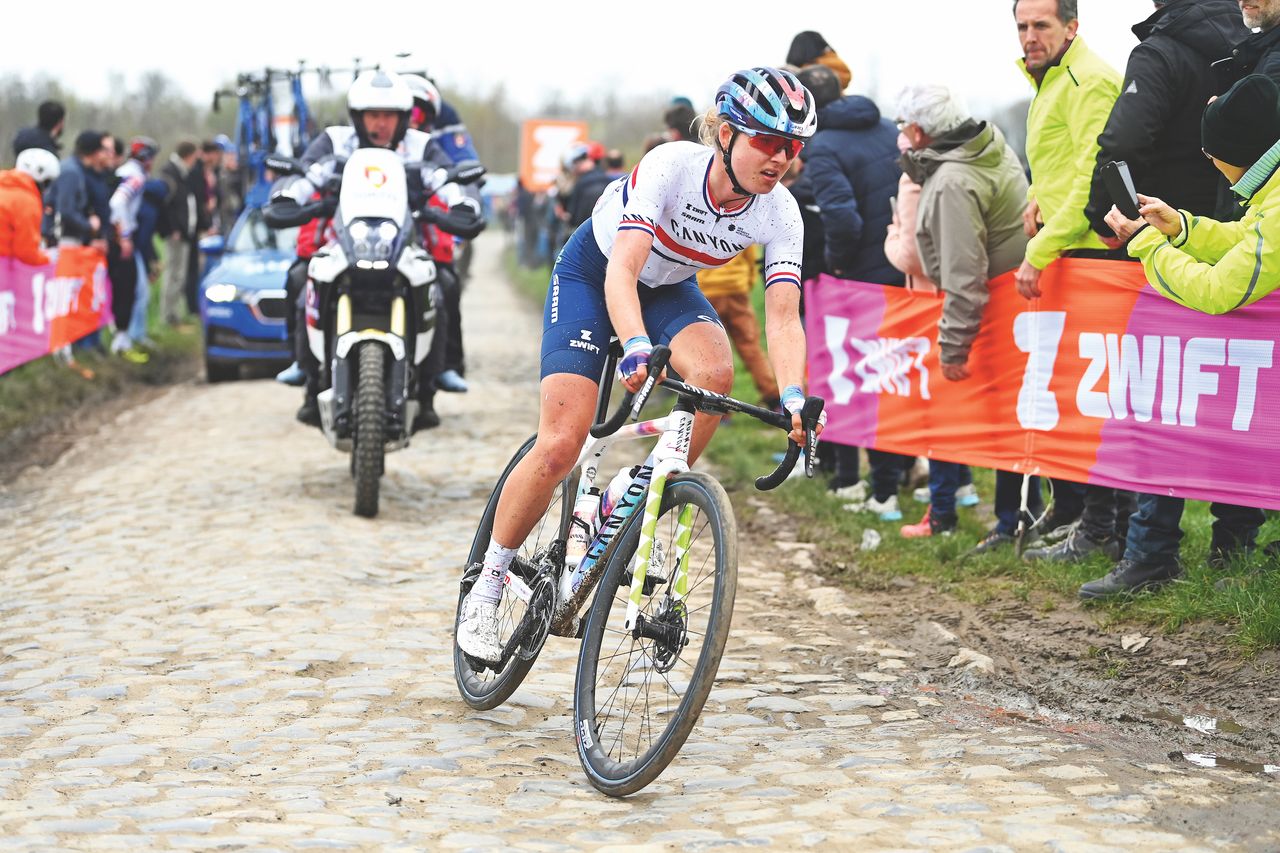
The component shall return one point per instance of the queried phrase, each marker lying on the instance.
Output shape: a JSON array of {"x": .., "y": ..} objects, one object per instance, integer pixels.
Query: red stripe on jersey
[
  {"x": 634, "y": 173},
  {"x": 667, "y": 240}
]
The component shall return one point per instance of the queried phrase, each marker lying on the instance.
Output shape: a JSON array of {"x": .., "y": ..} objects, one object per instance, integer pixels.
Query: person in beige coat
[{"x": 968, "y": 230}]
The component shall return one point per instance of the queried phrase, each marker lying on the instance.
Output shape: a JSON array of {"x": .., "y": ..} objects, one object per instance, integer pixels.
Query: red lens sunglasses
[{"x": 772, "y": 145}]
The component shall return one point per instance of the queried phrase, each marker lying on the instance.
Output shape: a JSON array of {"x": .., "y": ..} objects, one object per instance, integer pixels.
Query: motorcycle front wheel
[{"x": 369, "y": 436}]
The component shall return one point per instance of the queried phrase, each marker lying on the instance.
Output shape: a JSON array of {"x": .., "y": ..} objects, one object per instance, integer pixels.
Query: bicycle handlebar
[
  {"x": 809, "y": 419},
  {"x": 633, "y": 402}
]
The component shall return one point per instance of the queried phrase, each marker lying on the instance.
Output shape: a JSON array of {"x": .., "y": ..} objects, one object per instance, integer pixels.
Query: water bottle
[
  {"x": 617, "y": 488},
  {"x": 582, "y": 528}
]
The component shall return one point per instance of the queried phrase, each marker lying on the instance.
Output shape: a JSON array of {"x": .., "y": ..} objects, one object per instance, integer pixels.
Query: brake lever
[
  {"x": 809, "y": 416},
  {"x": 658, "y": 359}
]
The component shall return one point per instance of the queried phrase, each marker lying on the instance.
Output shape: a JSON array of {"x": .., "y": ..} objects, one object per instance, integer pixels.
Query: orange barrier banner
[
  {"x": 45, "y": 308},
  {"x": 1101, "y": 380},
  {"x": 542, "y": 144}
]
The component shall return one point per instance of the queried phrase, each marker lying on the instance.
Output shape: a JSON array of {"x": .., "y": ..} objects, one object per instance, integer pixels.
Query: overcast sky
[{"x": 576, "y": 48}]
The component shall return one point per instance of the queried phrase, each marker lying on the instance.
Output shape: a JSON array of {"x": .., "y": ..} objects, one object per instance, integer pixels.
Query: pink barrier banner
[
  {"x": 1101, "y": 380},
  {"x": 45, "y": 308}
]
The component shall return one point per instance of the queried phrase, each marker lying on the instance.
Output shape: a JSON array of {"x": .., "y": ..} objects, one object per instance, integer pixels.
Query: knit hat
[
  {"x": 822, "y": 82},
  {"x": 1242, "y": 125}
]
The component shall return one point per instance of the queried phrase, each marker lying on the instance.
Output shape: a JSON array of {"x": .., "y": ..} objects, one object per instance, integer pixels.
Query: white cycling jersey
[{"x": 667, "y": 196}]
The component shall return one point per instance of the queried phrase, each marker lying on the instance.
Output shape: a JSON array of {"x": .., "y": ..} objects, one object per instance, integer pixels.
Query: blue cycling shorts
[{"x": 575, "y": 323}]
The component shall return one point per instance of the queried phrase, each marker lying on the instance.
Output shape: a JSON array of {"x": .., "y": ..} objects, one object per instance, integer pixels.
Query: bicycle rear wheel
[
  {"x": 636, "y": 698},
  {"x": 481, "y": 687}
]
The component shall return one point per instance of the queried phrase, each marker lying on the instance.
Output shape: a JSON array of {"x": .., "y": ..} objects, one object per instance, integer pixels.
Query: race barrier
[
  {"x": 1100, "y": 380},
  {"x": 45, "y": 308}
]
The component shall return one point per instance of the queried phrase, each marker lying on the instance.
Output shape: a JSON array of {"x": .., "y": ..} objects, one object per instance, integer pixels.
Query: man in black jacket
[
  {"x": 1259, "y": 53},
  {"x": 1155, "y": 123},
  {"x": 184, "y": 222},
  {"x": 50, "y": 118}
]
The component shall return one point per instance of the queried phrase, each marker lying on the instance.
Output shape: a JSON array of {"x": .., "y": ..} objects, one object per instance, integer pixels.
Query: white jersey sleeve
[{"x": 784, "y": 253}]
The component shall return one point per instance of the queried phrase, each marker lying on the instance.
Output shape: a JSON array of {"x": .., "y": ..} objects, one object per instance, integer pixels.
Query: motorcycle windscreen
[{"x": 373, "y": 187}]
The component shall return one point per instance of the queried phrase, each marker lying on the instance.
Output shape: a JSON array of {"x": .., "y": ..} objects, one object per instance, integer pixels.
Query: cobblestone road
[{"x": 202, "y": 648}]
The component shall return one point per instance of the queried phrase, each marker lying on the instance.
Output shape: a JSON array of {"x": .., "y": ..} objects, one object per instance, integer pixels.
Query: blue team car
[{"x": 242, "y": 297}]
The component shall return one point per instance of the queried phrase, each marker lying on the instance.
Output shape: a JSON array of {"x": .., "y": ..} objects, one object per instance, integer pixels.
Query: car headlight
[{"x": 221, "y": 293}]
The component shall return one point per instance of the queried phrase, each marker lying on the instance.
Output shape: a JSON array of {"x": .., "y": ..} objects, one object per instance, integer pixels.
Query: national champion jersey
[{"x": 667, "y": 196}]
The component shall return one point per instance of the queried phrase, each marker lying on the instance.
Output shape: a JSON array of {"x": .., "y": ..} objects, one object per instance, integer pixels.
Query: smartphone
[{"x": 1120, "y": 187}]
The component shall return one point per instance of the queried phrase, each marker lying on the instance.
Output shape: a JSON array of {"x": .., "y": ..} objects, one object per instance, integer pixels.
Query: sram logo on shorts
[{"x": 584, "y": 342}]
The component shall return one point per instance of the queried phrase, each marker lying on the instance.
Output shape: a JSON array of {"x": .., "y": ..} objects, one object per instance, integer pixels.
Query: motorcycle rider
[
  {"x": 379, "y": 104},
  {"x": 432, "y": 115}
]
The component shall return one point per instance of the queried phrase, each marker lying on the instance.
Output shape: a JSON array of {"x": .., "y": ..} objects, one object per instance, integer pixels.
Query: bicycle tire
[
  {"x": 369, "y": 451},
  {"x": 610, "y": 775},
  {"x": 485, "y": 690}
]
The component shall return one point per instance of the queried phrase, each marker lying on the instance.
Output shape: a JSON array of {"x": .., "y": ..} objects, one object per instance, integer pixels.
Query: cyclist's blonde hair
[{"x": 710, "y": 127}]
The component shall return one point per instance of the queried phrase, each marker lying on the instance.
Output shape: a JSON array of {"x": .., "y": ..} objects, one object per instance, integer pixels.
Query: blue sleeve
[
  {"x": 841, "y": 220},
  {"x": 68, "y": 193}
]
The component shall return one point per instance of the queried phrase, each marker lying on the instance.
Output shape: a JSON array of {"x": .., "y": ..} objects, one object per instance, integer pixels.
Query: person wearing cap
[
  {"x": 78, "y": 225},
  {"x": 1212, "y": 266},
  {"x": 810, "y": 48},
  {"x": 125, "y": 202},
  {"x": 1215, "y": 267}
]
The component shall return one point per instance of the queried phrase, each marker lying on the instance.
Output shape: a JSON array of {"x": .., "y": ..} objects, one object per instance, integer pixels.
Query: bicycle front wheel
[
  {"x": 638, "y": 693},
  {"x": 482, "y": 688}
]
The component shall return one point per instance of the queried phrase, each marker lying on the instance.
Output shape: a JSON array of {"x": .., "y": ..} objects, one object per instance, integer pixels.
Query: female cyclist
[{"x": 630, "y": 271}]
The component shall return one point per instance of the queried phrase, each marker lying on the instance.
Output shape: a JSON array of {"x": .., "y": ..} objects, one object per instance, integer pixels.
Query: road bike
[{"x": 664, "y": 582}]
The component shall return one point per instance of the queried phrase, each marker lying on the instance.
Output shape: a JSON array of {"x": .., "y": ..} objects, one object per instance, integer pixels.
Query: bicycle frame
[{"x": 670, "y": 456}]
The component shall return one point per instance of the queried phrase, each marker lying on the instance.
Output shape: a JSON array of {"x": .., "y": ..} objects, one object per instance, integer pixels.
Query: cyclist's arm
[
  {"x": 622, "y": 299},
  {"x": 785, "y": 334}
]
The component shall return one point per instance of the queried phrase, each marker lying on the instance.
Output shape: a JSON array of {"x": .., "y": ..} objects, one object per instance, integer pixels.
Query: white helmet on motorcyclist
[
  {"x": 379, "y": 91},
  {"x": 39, "y": 164},
  {"x": 426, "y": 97}
]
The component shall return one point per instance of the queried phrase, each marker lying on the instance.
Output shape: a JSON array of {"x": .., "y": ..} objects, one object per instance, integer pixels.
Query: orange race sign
[{"x": 542, "y": 143}]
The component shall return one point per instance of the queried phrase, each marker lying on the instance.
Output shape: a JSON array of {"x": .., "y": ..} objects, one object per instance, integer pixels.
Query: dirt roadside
[{"x": 1184, "y": 697}]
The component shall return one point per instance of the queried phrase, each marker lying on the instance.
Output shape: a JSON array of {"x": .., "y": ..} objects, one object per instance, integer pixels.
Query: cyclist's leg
[{"x": 679, "y": 316}]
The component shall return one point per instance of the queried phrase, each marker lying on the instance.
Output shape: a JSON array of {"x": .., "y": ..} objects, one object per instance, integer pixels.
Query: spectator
[
  {"x": 125, "y": 202},
  {"x": 182, "y": 235},
  {"x": 682, "y": 121},
  {"x": 21, "y": 207},
  {"x": 728, "y": 289},
  {"x": 230, "y": 185},
  {"x": 1215, "y": 267},
  {"x": 1155, "y": 128},
  {"x": 1074, "y": 93},
  {"x": 1155, "y": 123},
  {"x": 614, "y": 163},
  {"x": 810, "y": 48},
  {"x": 78, "y": 223},
  {"x": 852, "y": 165},
  {"x": 1257, "y": 53},
  {"x": 587, "y": 187},
  {"x": 47, "y": 133},
  {"x": 968, "y": 230},
  {"x": 153, "y": 219}
]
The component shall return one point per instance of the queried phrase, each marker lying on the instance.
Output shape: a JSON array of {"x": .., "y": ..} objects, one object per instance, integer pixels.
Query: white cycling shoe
[{"x": 478, "y": 629}]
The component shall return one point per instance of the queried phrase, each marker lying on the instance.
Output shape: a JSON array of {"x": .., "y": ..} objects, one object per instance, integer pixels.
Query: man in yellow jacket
[
  {"x": 1216, "y": 267},
  {"x": 1075, "y": 91}
]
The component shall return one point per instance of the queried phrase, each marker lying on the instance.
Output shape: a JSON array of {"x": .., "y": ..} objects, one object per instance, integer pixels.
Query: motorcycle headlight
[
  {"x": 221, "y": 293},
  {"x": 370, "y": 244}
]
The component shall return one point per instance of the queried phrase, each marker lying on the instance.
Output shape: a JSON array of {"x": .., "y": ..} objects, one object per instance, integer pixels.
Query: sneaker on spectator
[
  {"x": 967, "y": 496},
  {"x": 1047, "y": 532},
  {"x": 1129, "y": 577},
  {"x": 120, "y": 342},
  {"x": 1076, "y": 548},
  {"x": 133, "y": 355},
  {"x": 886, "y": 510},
  {"x": 292, "y": 375},
  {"x": 856, "y": 492},
  {"x": 452, "y": 381},
  {"x": 922, "y": 495},
  {"x": 918, "y": 474},
  {"x": 930, "y": 525},
  {"x": 993, "y": 541}
]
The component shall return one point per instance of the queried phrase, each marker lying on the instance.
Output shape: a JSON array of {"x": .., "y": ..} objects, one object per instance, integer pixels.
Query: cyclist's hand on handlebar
[
  {"x": 633, "y": 369},
  {"x": 793, "y": 401}
]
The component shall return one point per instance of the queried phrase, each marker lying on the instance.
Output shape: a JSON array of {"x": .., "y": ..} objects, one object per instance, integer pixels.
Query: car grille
[
  {"x": 223, "y": 337},
  {"x": 273, "y": 307}
]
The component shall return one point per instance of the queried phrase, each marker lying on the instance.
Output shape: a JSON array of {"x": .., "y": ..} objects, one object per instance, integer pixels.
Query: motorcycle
[{"x": 371, "y": 298}]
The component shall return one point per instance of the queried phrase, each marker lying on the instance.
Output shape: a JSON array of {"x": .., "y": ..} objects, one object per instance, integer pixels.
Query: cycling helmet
[
  {"x": 40, "y": 164},
  {"x": 143, "y": 148},
  {"x": 763, "y": 100},
  {"x": 379, "y": 90},
  {"x": 574, "y": 153},
  {"x": 767, "y": 100},
  {"x": 425, "y": 94}
]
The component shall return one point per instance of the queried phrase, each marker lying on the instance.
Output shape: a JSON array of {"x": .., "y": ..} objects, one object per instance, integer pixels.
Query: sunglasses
[{"x": 773, "y": 145}]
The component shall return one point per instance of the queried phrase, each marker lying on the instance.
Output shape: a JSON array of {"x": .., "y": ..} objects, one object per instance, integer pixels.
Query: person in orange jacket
[
  {"x": 728, "y": 289},
  {"x": 22, "y": 206}
]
